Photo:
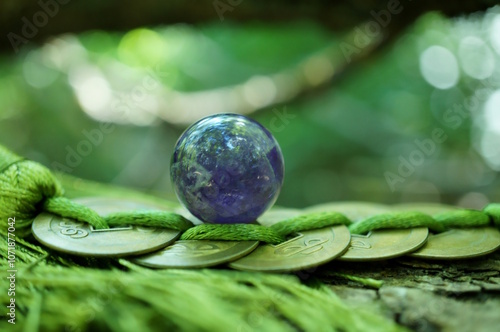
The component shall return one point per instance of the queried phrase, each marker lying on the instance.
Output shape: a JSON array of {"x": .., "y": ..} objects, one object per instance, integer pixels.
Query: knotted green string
[
  {"x": 437, "y": 223},
  {"x": 28, "y": 188},
  {"x": 274, "y": 234}
]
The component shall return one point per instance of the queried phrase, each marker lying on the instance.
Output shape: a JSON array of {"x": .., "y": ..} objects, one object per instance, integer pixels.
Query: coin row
[{"x": 158, "y": 248}]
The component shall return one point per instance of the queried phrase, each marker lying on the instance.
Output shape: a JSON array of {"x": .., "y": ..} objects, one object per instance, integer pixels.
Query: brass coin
[
  {"x": 197, "y": 254},
  {"x": 306, "y": 250},
  {"x": 277, "y": 214},
  {"x": 385, "y": 244},
  {"x": 81, "y": 239},
  {"x": 458, "y": 243},
  {"x": 379, "y": 244}
]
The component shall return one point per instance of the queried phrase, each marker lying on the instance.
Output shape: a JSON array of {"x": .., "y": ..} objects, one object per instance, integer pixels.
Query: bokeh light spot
[
  {"x": 142, "y": 47},
  {"x": 492, "y": 112},
  {"x": 439, "y": 67},
  {"x": 495, "y": 33},
  {"x": 476, "y": 58},
  {"x": 259, "y": 91},
  {"x": 36, "y": 73},
  {"x": 92, "y": 91},
  {"x": 317, "y": 70}
]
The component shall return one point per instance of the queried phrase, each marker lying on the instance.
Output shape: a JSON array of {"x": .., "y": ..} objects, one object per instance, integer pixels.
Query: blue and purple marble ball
[{"x": 227, "y": 168}]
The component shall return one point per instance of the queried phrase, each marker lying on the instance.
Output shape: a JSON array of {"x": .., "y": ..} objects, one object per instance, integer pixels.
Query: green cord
[
  {"x": 274, "y": 234},
  {"x": 28, "y": 188}
]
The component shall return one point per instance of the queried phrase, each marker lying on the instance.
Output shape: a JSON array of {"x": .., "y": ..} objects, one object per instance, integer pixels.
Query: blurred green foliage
[{"x": 339, "y": 140}]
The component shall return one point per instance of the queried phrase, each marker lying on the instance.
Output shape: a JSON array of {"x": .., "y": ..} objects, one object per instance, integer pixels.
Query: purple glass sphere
[{"x": 227, "y": 168}]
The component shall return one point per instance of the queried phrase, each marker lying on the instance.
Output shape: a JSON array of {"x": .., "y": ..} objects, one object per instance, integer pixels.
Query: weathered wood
[{"x": 427, "y": 295}]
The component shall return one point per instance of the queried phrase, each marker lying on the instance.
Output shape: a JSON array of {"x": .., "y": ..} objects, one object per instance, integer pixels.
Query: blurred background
[{"x": 380, "y": 101}]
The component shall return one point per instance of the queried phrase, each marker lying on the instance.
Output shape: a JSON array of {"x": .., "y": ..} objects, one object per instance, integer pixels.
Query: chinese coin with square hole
[
  {"x": 305, "y": 250},
  {"x": 457, "y": 243},
  {"x": 77, "y": 238},
  {"x": 379, "y": 244}
]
